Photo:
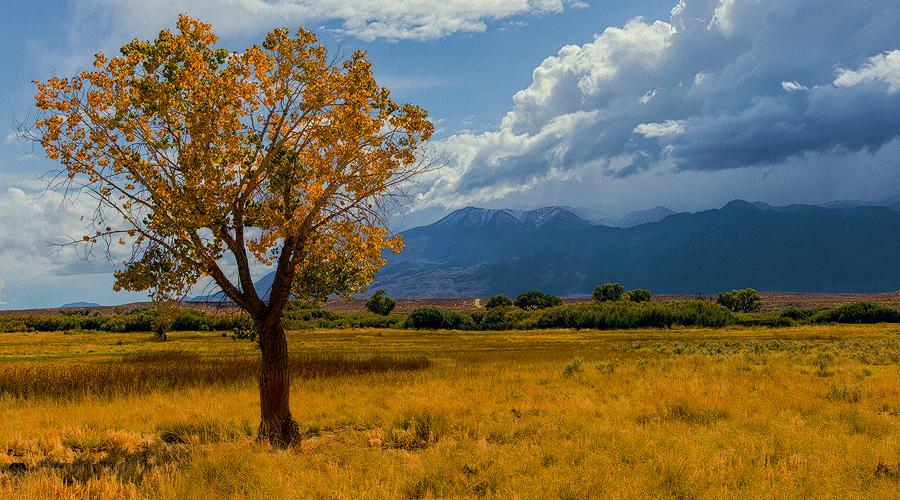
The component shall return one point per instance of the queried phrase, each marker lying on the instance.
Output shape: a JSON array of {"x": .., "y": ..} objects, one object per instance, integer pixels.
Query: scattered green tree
[
  {"x": 638, "y": 295},
  {"x": 746, "y": 300},
  {"x": 498, "y": 301},
  {"x": 380, "y": 303},
  {"x": 535, "y": 299},
  {"x": 609, "y": 292}
]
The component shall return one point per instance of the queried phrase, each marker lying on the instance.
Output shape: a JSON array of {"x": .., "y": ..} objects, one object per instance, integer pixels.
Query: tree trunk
[
  {"x": 276, "y": 423},
  {"x": 160, "y": 334}
]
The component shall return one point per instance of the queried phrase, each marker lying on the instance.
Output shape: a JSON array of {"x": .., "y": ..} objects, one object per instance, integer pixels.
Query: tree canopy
[{"x": 277, "y": 153}]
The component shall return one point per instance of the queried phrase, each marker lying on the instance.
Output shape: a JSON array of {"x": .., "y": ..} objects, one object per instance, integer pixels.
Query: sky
[{"x": 608, "y": 105}]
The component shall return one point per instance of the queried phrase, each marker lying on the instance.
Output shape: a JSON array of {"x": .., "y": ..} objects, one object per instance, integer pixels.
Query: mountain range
[{"x": 844, "y": 246}]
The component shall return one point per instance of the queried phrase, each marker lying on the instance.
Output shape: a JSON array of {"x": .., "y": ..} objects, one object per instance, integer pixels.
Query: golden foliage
[{"x": 277, "y": 150}]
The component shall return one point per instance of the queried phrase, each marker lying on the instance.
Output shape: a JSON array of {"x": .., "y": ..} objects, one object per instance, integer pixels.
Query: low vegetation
[
  {"x": 143, "y": 372},
  {"x": 633, "y": 309},
  {"x": 859, "y": 312}
]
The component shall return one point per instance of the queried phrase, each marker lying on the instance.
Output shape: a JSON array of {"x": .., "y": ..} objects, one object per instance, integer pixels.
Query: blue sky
[{"x": 611, "y": 105}]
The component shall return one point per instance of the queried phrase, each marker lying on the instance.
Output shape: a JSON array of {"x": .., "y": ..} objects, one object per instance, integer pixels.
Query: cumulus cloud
[
  {"x": 50, "y": 220},
  {"x": 668, "y": 127},
  {"x": 793, "y": 86},
  {"x": 881, "y": 68},
  {"x": 714, "y": 87},
  {"x": 364, "y": 19},
  {"x": 37, "y": 223}
]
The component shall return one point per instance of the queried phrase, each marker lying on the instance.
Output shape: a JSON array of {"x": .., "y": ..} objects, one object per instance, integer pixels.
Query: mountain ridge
[
  {"x": 840, "y": 247},
  {"x": 794, "y": 247}
]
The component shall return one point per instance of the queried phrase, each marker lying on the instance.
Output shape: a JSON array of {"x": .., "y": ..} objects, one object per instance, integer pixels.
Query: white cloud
[
  {"x": 793, "y": 87},
  {"x": 364, "y": 19},
  {"x": 668, "y": 127},
  {"x": 881, "y": 68},
  {"x": 714, "y": 87},
  {"x": 580, "y": 74},
  {"x": 16, "y": 136},
  {"x": 46, "y": 220},
  {"x": 36, "y": 223}
]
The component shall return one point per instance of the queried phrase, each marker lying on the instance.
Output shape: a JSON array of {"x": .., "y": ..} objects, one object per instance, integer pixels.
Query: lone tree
[
  {"x": 203, "y": 159},
  {"x": 746, "y": 300},
  {"x": 380, "y": 303},
  {"x": 608, "y": 292}
]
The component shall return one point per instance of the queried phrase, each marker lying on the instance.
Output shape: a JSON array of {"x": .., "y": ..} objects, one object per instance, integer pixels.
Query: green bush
[
  {"x": 534, "y": 299},
  {"x": 376, "y": 321},
  {"x": 498, "y": 301},
  {"x": 503, "y": 318},
  {"x": 13, "y": 323},
  {"x": 307, "y": 318},
  {"x": 196, "y": 320},
  {"x": 52, "y": 323},
  {"x": 433, "y": 318},
  {"x": 308, "y": 313},
  {"x": 798, "y": 313},
  {"x": 765, "y": 319},
  {"x": 380, "y": 303},
  {"x": 609, "y": 292},
  {"x": 638, "y": 295},
  {"x": 859, "y": 312},
  {"x": 746, "y": 300},
  {"x": 620, "y": 315},
  {"x": 135, "y": 320}
]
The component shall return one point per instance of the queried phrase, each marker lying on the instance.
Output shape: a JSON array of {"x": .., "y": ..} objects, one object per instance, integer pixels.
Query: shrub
[
  {"x": 606, "y": 366},
  {"x": 770, "y": 319},
  {"x": 534, "y": 299},
  {"x": 859, "y": 312},
  {"x": 746, "y": 300},
  {"x": 380, "y": 303},
  {"x": 309, "y": 314},
  {"x": 823, "y": 363},
  {"x": 574, "y": 366},
  {"x": 503, "y": 318},
  {"x": 843, "y": 392},
  {"x": 376, "y": 321},
  {"x": 609, "y": 292},
  {"x": 638, "y": 295},
  {"x": 418, "y": 430},
  {"x": 798, "y": 313},
  {"x": 498, "y": 301},
  {"x": 433, "y": 318},
  {"x": 618, "y": 315}
]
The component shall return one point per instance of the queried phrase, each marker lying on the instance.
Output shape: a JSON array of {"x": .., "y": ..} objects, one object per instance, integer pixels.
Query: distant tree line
[{"x": 611, "y": 308}]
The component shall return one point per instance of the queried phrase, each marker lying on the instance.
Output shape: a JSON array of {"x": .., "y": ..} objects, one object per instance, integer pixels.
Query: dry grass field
[{"x": 809, "y": 411}]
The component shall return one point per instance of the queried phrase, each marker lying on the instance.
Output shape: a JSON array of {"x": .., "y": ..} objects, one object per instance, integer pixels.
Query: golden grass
[
  {"x": 143, "y": 372},
  {"x": 810, "y": 411}
]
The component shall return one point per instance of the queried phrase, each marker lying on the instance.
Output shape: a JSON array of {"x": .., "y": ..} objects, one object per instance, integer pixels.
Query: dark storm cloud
[{"x": 723, "y": 84}]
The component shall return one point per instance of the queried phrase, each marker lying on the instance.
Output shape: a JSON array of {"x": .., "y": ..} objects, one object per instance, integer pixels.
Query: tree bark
[{"x": 276, "y": 426}]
